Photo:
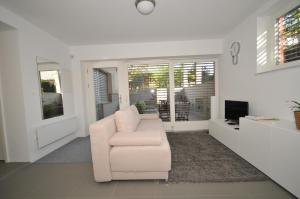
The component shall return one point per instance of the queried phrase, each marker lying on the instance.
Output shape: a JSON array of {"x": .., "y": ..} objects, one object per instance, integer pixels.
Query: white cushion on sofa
[
  {"x": 126, "y": 120},
  {"x": 136, "y": 112},
  {"x": 150, "y": 138}
]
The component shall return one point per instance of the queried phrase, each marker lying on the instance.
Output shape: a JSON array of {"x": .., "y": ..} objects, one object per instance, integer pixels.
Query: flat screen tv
[{"x": 235, "y": 109}]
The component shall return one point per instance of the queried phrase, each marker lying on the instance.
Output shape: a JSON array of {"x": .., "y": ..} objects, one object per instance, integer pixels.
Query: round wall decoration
[{"x": 234, "y": 52}]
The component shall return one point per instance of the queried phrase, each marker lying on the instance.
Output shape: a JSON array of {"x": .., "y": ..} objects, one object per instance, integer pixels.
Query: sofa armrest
[
  {"x": 100, "y": 133},
  {"x": 149, "y": 116},
  {"x": 149, "y": 138}
]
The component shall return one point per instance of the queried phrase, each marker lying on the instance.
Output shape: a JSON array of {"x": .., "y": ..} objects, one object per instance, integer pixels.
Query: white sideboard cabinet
[
  {"x": 225, "y": 133},
  {"x": 271, "y": 146}
]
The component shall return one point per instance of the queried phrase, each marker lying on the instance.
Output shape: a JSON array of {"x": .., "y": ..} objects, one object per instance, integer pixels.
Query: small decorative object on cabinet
[{"x": 296, "y": 108}]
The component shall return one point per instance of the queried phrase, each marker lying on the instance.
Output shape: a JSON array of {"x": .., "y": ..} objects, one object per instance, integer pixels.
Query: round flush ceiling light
[{"x": 145, "y": 7}]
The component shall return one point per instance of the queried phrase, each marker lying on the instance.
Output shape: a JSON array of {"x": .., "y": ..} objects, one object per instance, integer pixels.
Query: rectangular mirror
[{"x": 50, "y": 88}]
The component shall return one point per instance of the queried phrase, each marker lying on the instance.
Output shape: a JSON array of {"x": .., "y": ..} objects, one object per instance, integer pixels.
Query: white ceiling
[{"x": 83, "y": 22}]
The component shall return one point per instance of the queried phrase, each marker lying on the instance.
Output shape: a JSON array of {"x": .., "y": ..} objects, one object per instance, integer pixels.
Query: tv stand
[
  {"x": 232, "y": 123},
  {"x": 225, "y": 132},
  {"x": 271, "y": 146}
]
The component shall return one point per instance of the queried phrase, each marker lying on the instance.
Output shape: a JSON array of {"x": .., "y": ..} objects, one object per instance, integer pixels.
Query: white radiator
[{"x": 50, "y": 133}]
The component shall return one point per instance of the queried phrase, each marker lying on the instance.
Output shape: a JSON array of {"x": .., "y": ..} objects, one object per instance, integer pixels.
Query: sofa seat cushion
[
  {"x": 141, "y": 158},
  {"x": 148, "y": 138},
  {"x": 150, "y": 125}
]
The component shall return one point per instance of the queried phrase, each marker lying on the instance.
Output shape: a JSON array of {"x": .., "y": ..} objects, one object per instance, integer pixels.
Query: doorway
[
  {"x": 104, "y": 89},
  {"x": 106, "y": 92}
]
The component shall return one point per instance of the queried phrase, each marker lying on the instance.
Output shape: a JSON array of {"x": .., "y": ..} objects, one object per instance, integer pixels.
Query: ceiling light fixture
[{"x": 145, "y": 7}]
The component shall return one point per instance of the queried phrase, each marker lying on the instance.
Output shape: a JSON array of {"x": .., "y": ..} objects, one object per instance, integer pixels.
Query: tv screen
[{"x": 235, "y": 109}]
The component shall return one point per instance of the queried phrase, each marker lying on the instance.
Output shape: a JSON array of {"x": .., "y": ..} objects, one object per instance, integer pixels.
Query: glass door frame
[
  {"x": 89, "y": 86},
  {"x": 178, "y": 125}
]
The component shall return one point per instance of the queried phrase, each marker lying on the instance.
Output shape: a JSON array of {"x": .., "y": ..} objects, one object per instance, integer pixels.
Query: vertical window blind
[{"x": 287, "y": 34}]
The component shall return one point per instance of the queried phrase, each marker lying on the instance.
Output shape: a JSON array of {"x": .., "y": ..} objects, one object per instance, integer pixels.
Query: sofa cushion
[
  {"x": 149, "y": 138},
  {"x": 151, "y": 125},
  {"x": 136, "y": 112},
  {"x": 141, "y": 158},
  {"x": 126, "y": 120}
]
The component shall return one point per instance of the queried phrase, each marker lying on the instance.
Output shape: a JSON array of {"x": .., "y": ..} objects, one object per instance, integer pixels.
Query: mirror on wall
[{"x": 50, "y": 88}]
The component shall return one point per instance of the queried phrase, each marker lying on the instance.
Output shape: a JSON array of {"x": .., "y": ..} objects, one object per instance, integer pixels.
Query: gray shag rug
[{"x": 198, "y": 157}]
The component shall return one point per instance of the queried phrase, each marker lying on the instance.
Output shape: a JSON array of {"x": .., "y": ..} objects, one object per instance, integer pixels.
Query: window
[
  {"x": 194, "y": 85},
  {"x": 278, "y": 36},
  {"x": 51, "y": 94},
  {"x": 149, "y": 88},
  {"x": 50, "y": 88},
  {"x": 287, "y": 33}
]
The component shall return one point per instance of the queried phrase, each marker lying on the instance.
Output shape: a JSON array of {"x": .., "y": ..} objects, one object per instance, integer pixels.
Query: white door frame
[
  {"x": 3, "y": 139},
  {"x": 89, "y": 86}
]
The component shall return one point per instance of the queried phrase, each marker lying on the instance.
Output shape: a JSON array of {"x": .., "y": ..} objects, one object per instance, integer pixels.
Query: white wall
[
  {"x": 35, "y": 42},
  {"x": 2, "y": 146},
  {"x": 12, "y": 96},
  {"x": 211, "y": 47},
  {"x": 267, "y": 93}
]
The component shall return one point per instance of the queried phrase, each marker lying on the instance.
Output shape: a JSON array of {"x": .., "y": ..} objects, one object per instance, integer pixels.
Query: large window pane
[
  {"x": 149, "y": 88},
  {"x": 194, "y": 85}
]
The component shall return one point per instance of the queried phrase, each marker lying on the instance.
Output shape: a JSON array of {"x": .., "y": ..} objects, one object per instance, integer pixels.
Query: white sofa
[{"x": 129, "y": 145}]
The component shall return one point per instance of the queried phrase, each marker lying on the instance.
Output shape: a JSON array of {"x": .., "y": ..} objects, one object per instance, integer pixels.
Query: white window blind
[
  {"x": 287, "y": 34},
  {"x": 101, "y": 87}
]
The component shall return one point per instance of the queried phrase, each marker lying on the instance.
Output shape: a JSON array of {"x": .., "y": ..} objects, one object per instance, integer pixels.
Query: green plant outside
[{"x": 141, "y": 106}]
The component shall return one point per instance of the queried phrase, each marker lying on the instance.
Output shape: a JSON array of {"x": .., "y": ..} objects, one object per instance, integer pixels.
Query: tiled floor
[
  {"x": 75, "y": 181},
  {"x": 9, "y": 168}
]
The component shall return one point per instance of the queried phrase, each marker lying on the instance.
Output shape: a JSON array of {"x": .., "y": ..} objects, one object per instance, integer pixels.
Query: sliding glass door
[
  {"x": 194, "y": 85},
  {"x": 179, "y": 90},
  {"x": 149, "y": 88}
]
